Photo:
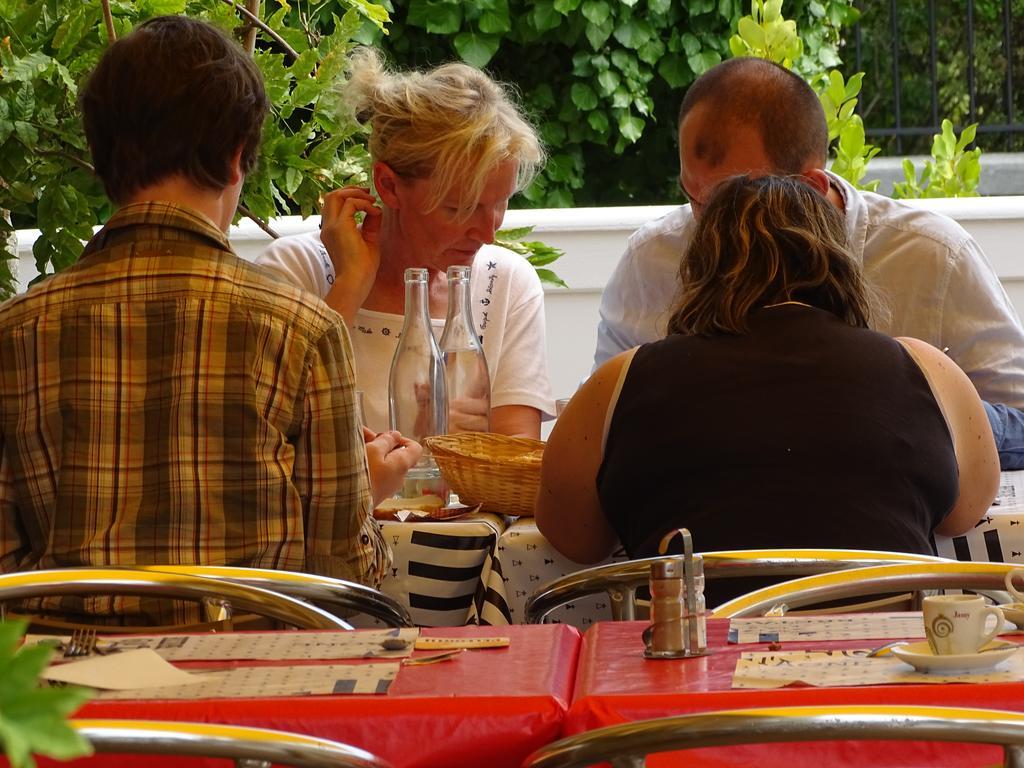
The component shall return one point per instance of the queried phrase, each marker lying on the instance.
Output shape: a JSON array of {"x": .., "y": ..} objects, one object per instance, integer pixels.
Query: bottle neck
[
  {"x": 417, "y": 305},
  {"x": 459, "y": 331}
]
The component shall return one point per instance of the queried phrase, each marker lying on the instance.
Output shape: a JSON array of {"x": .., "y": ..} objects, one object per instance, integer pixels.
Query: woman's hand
[
  {"x": 353, "y": 248},
  {"x": 389, "y": 456}
]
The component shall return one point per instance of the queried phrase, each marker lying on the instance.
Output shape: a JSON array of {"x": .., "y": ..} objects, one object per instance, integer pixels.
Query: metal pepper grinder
[{"x": 678, "y": 628}]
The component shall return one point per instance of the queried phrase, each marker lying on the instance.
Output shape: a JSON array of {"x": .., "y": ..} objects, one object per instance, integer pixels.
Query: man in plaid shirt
[{"x": 164, "y": 401}]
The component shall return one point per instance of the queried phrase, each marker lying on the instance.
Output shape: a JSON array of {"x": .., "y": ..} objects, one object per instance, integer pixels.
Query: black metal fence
[{"x": 926, "y": 60}]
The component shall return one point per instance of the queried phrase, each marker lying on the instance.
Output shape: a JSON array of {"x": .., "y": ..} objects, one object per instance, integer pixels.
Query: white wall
[{"x": 593, "y": 240}]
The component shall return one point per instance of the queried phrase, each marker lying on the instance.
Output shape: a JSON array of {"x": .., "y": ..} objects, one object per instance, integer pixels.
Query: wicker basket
[{"x": 500, "y": 473}]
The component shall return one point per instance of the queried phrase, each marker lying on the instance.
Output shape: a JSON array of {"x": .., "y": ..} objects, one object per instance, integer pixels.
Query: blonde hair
[
  {"x": 764, "y": 241},
  {"x": 452, "y": 124}
]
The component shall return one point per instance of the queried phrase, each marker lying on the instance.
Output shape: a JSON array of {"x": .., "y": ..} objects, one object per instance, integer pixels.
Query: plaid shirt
[{"x": 164, "y": 401}]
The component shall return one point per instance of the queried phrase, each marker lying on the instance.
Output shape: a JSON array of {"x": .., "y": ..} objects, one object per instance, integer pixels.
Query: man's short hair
[
  {"x": 755, "y": 93},
  {"x": 177, "y": 96}
]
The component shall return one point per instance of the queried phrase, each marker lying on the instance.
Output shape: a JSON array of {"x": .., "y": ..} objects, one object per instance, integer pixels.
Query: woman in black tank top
[{"x": 771, "y": 416}]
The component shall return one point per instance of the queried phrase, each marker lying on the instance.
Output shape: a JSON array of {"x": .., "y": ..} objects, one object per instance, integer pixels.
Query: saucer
[
  {"x": 1013, "y": 612},
  {"x": 921, "y": 658}
]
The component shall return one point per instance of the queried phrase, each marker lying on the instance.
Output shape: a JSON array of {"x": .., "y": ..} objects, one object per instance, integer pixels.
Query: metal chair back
[
  {"x": 248, "y": 747},
  {"x": 125, "y": 581},
  {"x": 621, "y": 580},
  {"x": 842, "y": 585},
  {"x": 340, "y": 597},
  {"x": 628, "y": 744}
]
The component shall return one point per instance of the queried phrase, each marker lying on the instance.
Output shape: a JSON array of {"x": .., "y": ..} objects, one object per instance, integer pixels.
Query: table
[
  {"x": 484, "y": 708},
  {"x": 615, "y": 684},
  {"x": 999, "y": 535},
  {"x": 481, "y": 569},
  {"x": 442, "y": 570},
  {"x": 526, "y": 560}
]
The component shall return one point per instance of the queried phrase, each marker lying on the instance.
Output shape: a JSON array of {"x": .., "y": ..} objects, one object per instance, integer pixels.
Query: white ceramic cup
[
  {"x": 1017, "y": 573},
  {"x": 957, "y": 624}
]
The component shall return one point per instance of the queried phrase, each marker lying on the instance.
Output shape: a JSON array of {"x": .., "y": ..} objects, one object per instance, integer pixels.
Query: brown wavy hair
[{"x": 764, "y": 241}]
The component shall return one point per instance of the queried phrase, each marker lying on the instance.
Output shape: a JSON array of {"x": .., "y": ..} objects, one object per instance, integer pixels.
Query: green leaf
[
  {"x": 598, "y": 120},
  {"x": 703, "y": 61},
  {"x": 631, "y": 127},
  {"x": 675, "y": 70},
  {"x": 439, "y": 17},
  {"x": 25, "y": 68},
  {"x": 546, "y": 275},
  {"x": 514, "y": 233},
  {"x": 596, "y": 12},
  {"x": 26, "y": 133},
  {"x": 651, "y": 51},
  {"x": 560, "y": 167},
  {"x": 496, "y": 21},
  {"x": 598, "y": 34},
  {"x": 24, "y": 104},
  {"x": 633, "y": 33},
  {"x": 305, "y": 92},
  {"x": 476, "y": 49},
  {"x": 565, "y": 7},
  {"x": 583, "y": 64},
  {"x": 608, "y": 81},
  {"x": 583, "y": 96},
  {"x": 560, "y": 197},
  {"x": 751, "y": 33},
  {"x": 70, "y": 32},
  {"x": 544, "y": 16},
  {"x": 32, "y": 718},
  {"x": 292, "y": 179},
  {"x": 303, "y": 66},
  {"x": 161, "y": 7}
]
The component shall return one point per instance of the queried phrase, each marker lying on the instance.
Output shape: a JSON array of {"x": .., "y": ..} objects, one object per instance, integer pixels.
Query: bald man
[{"x": 931, "y": 279}]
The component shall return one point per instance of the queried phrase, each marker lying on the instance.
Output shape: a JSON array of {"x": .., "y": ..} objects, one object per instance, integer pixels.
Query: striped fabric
[
  {"x": 164, "y": 401},
  {"x": 442, "y": 571}
]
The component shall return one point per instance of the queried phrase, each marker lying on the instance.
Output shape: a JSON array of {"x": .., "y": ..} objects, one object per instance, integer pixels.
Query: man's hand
[
  {"x": 389, "y": 456},
  {"x": 354, "y": 248}
]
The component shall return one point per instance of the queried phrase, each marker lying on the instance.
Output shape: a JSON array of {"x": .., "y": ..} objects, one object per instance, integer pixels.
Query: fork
[{"x": 82, "y": 643}]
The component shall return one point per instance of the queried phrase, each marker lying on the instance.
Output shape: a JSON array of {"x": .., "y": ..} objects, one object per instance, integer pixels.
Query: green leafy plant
[
  {"x": 767, "y": 35},
  {"x": 537, "y": 253},
  {"x": 846, "y": 128},
  {"x": 47, "y": 47},
  {"x": 33, "y": 719},
  {"x": 953, "y": 171},
  {"x": 997, "y": 48},
  {"x": 602, "y": 78}
]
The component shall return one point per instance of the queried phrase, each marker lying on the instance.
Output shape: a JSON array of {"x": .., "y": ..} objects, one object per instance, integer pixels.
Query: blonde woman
[
  {"x": 449, "y": 149},
  {"x": 771, "y": 416}
]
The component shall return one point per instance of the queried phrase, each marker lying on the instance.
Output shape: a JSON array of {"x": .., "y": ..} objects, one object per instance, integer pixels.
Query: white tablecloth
[
  {"x": 482, "y": 570},
  {"x": 999, "y": 535}
]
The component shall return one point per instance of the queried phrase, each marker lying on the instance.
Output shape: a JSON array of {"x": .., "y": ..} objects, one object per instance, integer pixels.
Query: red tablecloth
[
  {"x": 484, "y": 708},
  {"x": 615, "y": 684}
]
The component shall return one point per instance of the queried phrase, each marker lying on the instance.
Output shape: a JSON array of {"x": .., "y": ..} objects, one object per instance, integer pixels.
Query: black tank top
[{"x": 804, "y": 432}]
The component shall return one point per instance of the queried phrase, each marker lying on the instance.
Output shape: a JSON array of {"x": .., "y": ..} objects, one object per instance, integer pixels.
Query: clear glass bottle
[
  {"x": 417, "y": 393},
  {"x": 469, "y": 383}
]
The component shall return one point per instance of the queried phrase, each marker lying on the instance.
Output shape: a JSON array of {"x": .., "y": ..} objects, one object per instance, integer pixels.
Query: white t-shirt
[
  {"x": 932, "y": 275},
  {"x": 508, "y": 312}
]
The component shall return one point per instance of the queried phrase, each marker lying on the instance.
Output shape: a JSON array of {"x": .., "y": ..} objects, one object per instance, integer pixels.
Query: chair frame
[
  {"x": 621, "y": 580},
  {"x": 125, "y": 581},
  {"x": 626, "y": 745},
  {"x": 334, "y": 595},
  {"x": 247, "y": 746},
  {"x": 840, "y": 585}
]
